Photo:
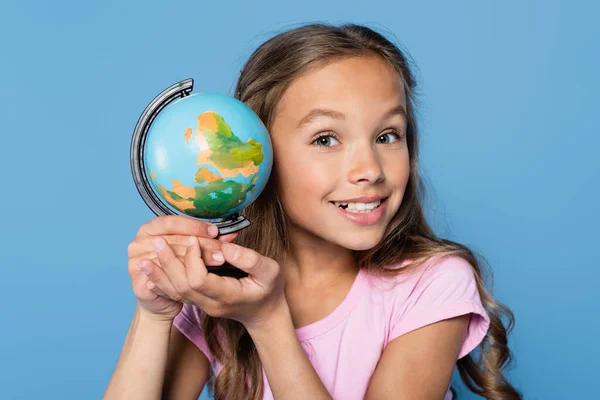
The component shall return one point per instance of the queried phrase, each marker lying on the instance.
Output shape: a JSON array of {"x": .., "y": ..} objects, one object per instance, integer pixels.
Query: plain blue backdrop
[{"x": 509, "y": 99}]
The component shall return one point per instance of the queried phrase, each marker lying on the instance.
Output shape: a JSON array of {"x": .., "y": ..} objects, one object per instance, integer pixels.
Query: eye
[
  {"x": 326, "y": 140},
  {"x": 389, "y": 137}
]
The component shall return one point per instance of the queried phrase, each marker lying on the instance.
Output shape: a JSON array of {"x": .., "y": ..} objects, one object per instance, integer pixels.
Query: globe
[{"x": 204, "y": 155}]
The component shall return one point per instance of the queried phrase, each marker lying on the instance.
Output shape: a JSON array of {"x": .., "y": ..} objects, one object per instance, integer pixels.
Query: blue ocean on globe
[{"x": 207, "y": 156}]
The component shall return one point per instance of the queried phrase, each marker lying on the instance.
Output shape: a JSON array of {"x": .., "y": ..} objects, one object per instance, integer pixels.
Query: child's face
[{"x": 363, "y": 159}]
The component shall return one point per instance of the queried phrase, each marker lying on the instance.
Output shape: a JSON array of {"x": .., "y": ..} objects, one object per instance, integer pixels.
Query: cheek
[
  {"x": 300, "y": 182},
  {"x": 398, "y": 170}
]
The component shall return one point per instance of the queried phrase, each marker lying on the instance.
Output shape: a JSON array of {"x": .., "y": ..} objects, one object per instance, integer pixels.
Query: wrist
[
  {"x": 273, "y": 323},
  {"x": 147, "y": 317}
]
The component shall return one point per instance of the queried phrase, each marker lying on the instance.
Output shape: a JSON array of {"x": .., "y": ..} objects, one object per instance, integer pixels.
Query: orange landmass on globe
[
  {"x": 248, "y": 170},
  {"x": 207, "y": 122},
  {"x": 183, "y": 191},
  {"x": 228, "y": 156},
  {"x": 180, "y": 204},
  {"x": 205, "y": 175},
  {"x": 187, "y": 134}
]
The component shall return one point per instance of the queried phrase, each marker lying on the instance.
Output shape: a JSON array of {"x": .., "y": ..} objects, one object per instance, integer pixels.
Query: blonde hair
[{"x": 263, "y": 80}]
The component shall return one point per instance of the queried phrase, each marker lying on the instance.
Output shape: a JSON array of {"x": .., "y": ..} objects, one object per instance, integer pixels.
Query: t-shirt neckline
[{"x": 337, "y": 315}]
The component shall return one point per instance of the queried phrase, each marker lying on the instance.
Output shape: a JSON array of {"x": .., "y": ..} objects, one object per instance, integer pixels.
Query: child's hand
[
  {"x": 176, "y": 230},
  {"x": 251, "y": 300}
]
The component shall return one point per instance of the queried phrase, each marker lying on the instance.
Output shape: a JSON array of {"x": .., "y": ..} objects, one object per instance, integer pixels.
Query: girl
[{"x": 350, "y": 294}]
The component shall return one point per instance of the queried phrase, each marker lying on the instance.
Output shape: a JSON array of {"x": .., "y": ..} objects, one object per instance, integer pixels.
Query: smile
[
  {"x": 357, "y": 207},
  {"x": 368, "y": 211}
]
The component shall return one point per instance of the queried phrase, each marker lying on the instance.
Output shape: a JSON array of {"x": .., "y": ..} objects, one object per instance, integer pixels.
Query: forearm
[
  {"x": 288, "y": 369},
  {"x": 141, "y": 367}
]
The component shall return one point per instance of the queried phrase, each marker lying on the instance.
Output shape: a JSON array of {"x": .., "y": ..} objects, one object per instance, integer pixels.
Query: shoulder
[
  {"x": 441, "y": 288},
  {"x": 450, "y": 275},
  {"x": 438, "y": 274}
]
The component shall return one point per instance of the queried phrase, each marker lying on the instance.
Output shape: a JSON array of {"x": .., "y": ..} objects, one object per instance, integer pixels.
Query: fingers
[
  {"x": 139, "y": 284},
  {"x": 175, "y": 272},
  {"x": 159, "y": 278},
  {"x": 211, "y": 251},
  {"x": 134, "y": 262},
  {"x": 143, "y": 243},
  {"x": 155, "y": 289},
  {"x": 261, "y": 268},
  {"x": 178, "y": 224},
  {"x": 143, "y": 248},
  {"x": 210, "y": 285},
  {"x": 175, "y": 268},
  {"x": 230, "y": 237},
  {"x": 172, "y": 265}
]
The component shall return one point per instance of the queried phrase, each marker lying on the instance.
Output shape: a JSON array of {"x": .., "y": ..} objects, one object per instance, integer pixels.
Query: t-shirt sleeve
[
  {"x": 189, "y": 323},
  {"x": 445, "y": 288}
]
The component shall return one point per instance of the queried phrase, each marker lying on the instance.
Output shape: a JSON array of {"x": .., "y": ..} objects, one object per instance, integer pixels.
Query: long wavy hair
[{"x": 262, "y": 82}]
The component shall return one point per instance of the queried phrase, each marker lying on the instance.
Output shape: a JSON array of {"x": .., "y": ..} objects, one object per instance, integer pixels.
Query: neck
[{"x": 312, "y": 262}]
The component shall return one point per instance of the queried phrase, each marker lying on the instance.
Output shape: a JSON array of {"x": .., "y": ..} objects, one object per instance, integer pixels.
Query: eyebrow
[
  {"x": 324, "y": 112},
  {"x": 320, "y": 112}
]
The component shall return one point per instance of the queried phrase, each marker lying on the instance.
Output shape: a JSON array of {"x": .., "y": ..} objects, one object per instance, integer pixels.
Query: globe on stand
[{"x": 205, "y": 156}]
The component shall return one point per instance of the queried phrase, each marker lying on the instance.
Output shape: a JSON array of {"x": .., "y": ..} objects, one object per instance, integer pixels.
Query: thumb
[
  {"x": 228, "y": 238},
  {"x": 261, "y": 268}
]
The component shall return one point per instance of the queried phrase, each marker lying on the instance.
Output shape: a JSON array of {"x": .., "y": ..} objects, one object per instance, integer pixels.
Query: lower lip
[{"x": 369, "y": 218}]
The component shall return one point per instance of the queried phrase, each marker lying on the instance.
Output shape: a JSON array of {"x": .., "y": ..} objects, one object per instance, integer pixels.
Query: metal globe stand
[{"x": 226, "y": 225}]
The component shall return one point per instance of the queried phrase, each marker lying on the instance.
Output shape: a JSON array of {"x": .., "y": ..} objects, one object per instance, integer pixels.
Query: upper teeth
[{"x": 359, "y": 206}]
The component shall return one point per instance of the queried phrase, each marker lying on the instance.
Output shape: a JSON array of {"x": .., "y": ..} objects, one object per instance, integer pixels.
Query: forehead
[{"x": 355, "y": 84}]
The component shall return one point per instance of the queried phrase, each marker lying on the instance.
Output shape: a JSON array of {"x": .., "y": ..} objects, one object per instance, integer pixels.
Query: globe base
[
  {"x": 227, "y": 270},
  {"x": 228, "y": 225},
  {"x": 231, "y": 224}
]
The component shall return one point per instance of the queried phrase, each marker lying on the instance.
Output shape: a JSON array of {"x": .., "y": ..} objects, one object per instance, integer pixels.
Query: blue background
[{"x": 509, "y": 99}]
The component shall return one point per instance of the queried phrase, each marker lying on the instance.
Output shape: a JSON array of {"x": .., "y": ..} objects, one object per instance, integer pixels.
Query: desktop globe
[{"x": 205, "y": 156}]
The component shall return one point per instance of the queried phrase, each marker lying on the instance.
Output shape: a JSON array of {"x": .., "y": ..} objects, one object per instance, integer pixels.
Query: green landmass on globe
[{"x": 216, "y": 194}]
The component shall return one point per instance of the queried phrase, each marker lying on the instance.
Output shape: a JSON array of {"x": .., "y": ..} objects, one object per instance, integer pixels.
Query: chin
[{"x": 359, "y": 241}]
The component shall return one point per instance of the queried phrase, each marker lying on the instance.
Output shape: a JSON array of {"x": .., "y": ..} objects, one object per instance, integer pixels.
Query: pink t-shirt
[{"x": 345, "y": 347}]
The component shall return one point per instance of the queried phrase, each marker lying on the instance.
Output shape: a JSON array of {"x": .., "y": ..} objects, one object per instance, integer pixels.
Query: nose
[{"x": 365, "y": 166}]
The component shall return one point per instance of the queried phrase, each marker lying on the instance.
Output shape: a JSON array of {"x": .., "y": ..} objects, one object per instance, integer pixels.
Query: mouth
[{"x": 363, "y": 205}]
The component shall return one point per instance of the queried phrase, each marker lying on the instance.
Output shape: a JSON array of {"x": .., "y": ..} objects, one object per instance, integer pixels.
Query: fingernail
[
  {"x": 158, "y": 244},
  {"x": 213, "y": 230},
  {"x": 218, "y": 256},
  {"x": 192, "y": 240},
  {"x": 231, "y": 250},
  {"x": 145, "y": 269}
]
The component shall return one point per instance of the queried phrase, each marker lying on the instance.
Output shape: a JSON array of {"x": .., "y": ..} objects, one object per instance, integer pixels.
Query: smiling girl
[{"x": 350, "y": 294}]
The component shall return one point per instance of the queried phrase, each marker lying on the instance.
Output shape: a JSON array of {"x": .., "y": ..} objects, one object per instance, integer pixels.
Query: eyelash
[{"x": 399, "y": 137}]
